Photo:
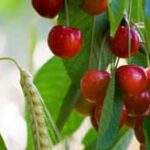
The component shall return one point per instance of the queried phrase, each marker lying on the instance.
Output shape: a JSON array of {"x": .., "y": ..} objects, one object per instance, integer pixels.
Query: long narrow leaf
[
  {"x": 106, "y": 111},
  {"x": 68, "y": 105}
]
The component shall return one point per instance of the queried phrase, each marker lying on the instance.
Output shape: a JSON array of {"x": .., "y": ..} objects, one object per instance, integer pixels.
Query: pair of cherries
[
  {"x": 50, "y": 8},
  {"x": 64, "y": 41}
]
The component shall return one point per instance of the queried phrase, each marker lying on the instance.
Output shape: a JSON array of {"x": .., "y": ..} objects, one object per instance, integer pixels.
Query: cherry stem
[
  {"x": 92, "y": 44},
  {"x": 101, "y": 48},
  {"x": 128, "y": 18},
  {"x": 117, "y": 62},
  {"x": 67, "y": 12},
  {"x": 12, "y": 60}
]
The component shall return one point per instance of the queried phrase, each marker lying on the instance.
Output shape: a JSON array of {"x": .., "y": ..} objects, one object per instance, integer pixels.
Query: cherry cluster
[
  {"x": 133, "y": 80},
  {"x": 65, "y": 41}
]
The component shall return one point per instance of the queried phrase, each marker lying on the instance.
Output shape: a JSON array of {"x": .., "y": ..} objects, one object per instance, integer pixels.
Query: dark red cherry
[
  {"x": 95, "y": 116},
  {"x": 64, "y": 41},
  {"x": 148, "y": 76},
  {"x": 94, "y": 84},
  {"x": 132, "y": 79},
  {"x": 123, "y": 118},
  {"x": 137, "y": 104},
  {"x": 119, "y": 43},
  {"x": 95, "y": 7},
  {"x": 47, "y": 8}
]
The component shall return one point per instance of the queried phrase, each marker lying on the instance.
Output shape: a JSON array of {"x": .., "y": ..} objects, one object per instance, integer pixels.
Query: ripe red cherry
[
  {"x": 148, "y": 76},
  {"x": 95, "y": 7},
  {"x": 47, "y": 8},
  {"x": 64, "y": 41},
  {"x": 132, "y": 79},
  {"x": 137, "y": 104},
  {"x": 119, "y": 43},
  {"x": 94, "y": 84},
  {"x": 123, "y": 118},
  {"x": 84, "y": 107},
  {"x": 95, "y": 116}
]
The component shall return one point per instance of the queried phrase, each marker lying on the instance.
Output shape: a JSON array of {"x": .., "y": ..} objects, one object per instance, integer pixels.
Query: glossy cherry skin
[
  {"x": 83, "y": 106},
  {"x": 95, "y": 116},
  {"x": 119, "y": 43},
  {"x": 94, "y": 84},
  {"x": 137, "y": 104},
  {"x": 95, "y": 7},
  {"x": 65, "y": 42},
  {"x": 132, "y": 79},
  {"x": 123, "y": 118},
  {"x": 148, "y": 76},
  {"x": 47, "y": 8}
]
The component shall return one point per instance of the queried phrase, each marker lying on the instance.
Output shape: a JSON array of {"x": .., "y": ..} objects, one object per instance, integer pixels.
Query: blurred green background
[{"x": 21, "y": 31}]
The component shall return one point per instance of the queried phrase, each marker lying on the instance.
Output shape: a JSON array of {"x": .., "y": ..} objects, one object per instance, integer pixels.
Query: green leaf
[
  {"x": 90, "y": 137},
  {"x": 67, "y": 106},
  {"x": 123, "y": 139},
  {"x": 147, "y": 24},
  {"x": 2, "y": 144},
  {"x": 53, "y": 83},
  {"x": 54, "y": 86},
  {"x": 137, "y": 11},
  {"x": 115, "y": 11},
  {"x": 78, "y": 64},
  {"x": 113, "y": 128},
  {"x": 139, "y": 59},
  {"x": 146, "y": 132},
  {"x": 72, "y": 124},
  {"x": 105, "y": 54},
  {"x": 106, "y": 110},
  {"x": 121, "y": 142}
]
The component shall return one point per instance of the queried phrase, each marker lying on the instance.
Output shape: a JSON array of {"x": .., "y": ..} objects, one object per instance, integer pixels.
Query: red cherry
[
  {"x": 148, "y": 76},
  {"x": 94, "y": 84},
  {"x": 64, "y": 41},
  {"x": 47, "y": 8},
  {"x": 132, "y": 79},
  {"x": 123, "y": 118},
  {"x": 83, "y": 106},
  {"x": 94, "y": 123},
  {"x": 139, "y": 131},
  {"x": 95, "y": 7},
  {"x": 137, "y": 104},
  {"x": 95, "y": 116},
  {"x": 119, "y": 44}
]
